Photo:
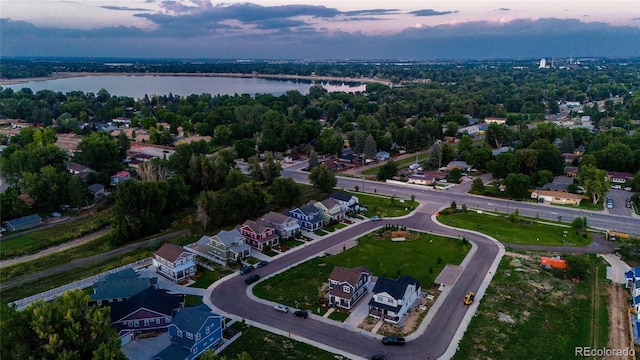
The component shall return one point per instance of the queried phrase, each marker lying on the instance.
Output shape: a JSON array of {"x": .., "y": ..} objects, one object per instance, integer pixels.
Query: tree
[
  {"x": 517, "y": 185},
  {"x": 479, "y": 157},
  {"x": 635, "y": 183},
  {"x": 452, "y": 128},
  {"x": 579, "y": 224},
  {"x": 465, "y": 146},
  {"x": 595, "y": 182},
  {"x": 528, "y": 159},
  {"x": 329, "y": 142},
  {"x": 66, "y": 328},
  {"x": 388, "y": 170},
  {"x": 139, "y": 208},
  {"x": 359, "y": 138},
  {"x": 255, "y": 169},
  {"x": 271, "y": 168},
  {"x": 285, "y": 191},
  {"x": 567, "y": 145},
  {"x": 435, "y": 156},
  {"x": 313, "y": 159},
  {"x": 498, "y": 134},
  {"x": 505, "y": 163},
  {"x": 543, "y": 177},
  {"x": 323, "y": 178},
  {"x": 100, "y": 151},
  {"x": 455, "y": 175},
  {"x": 370, "y": 147},
  {"x": 477, "y": 186}
]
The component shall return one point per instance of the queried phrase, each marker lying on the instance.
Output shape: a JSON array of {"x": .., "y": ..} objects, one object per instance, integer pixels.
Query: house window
[
  {"x": 198, "y": 337},
  {"x": 207, "y": 330},
  {"x": 189, "y": 336},
  {"x": 146, "y": 322},
  {"x": 379, "y": 298},
  {"x": 167, "y": 320},
  {"x": 136, "y": 323},
  {"x": 195, "y": 350},
  {"x": 130, "y": 323},
  {"x": 346, "y": 288},
  {"x": 179, "y": 333},
  {"x": 158, "y": 321}
]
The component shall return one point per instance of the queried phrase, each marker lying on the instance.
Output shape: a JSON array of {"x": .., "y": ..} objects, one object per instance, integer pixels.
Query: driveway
[{"x": 144, "y": 349}]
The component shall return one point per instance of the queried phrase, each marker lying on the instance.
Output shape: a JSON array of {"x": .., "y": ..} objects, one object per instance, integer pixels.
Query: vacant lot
[
  {"x": 525, "y": 231},
  {"x": 532, "y": 313},
  {"x": 422, "y": 256},
  {"x": 385, "y": 206}
]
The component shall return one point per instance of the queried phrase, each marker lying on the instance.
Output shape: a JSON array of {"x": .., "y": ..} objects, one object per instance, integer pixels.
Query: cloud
[
  {"x": 431, "y": 12},
  {"x": 288, "y": 39},
  {"x": 504, "y": 9},
  {"x": 123, "y": 8}
]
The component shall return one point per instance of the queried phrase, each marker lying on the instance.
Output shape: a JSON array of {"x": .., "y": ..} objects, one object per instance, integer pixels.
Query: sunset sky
[{"x": 314, "y": 29}]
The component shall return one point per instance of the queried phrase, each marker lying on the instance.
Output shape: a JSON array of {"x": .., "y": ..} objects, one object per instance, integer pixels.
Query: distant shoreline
[{"x": 66, "y": 75}]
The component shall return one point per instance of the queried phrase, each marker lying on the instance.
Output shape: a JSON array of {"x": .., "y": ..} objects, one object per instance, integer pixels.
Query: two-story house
[
  {"x": 148, "y": 311},
  {"x": 285, "y": 226},
  {"x": 393, "y": 299},
  {"x": 348, "y": 286},
  {"x": 633, "y": 283},
  {"x": 174, "y": 262},
  {"x": 225, "y": 245},
  {"x": 193, "y": 331},
  {"x": 329, "y": 208},
  {"x": 120, "y": 286},
  {"x": 347, "y": 201},
  {"x": 259, "y": 234},
  {"x": 308, "y": 217}
]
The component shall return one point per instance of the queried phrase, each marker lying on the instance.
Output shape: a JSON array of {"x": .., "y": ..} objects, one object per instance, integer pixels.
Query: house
[
  {"x": 150, "y": 310},
  {"x": 498, "y": 151},
  {"x": 382, "y": 155},
  {"x": 462, "y": 165},
  {"x": 193, "y": 331},
  {"x": 495, "y": 120},
  {"x": 619, "y": 177},
  {"x": 556, "y": 187},
  {"x": 329, "y": 208},
  {"x": 225, "y": 245},
  {"x": 419, "y": 179},
  {"x": 308, "y": 217},
  {"x": 556, "y": 263},
  {"x": 119, "y": 177},
  {"x": 392, "y": 299},
  {"x": 259, "y": 234},
  {"x": 435, "y": 175},
  {"x": 96, "y": 190},
  {"x": 120, "y": 286},
  {"x": 556, "y": 197},
  {"x": 24, "y": 222},
  {"x": 285, "y": 226},
  {"x": 633, "y": 283},
  {"x": 348, "y": 286},
  {"x": 347, "y": 201},
  {"x": 79, "y": 170},
  {"x": 348, "y": 158},
  {"x": 174, "y": 262},
  {"x": 571, "y": 171},
  {"x": 570, "y": 157}
]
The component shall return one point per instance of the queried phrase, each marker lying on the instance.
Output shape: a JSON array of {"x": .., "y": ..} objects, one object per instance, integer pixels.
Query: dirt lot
[{"x": 619, "y": 336}]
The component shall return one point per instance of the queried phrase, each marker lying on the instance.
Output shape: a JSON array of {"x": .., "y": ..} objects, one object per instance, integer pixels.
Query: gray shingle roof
[
  {"x": 395, "y": 288},
  {"x": 151, "y": 299},
  {"x": 191, "y": 319}
]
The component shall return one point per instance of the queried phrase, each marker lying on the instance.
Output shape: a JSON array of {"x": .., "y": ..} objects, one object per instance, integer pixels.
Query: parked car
[
  {"x": 393, "y": 340},
  {"x": 262, "y": 263},
  {"x": 379, "y": 357},
  {"x": 301, "y": 314},
  {"x": 246, "y": 269},
  {"x": 56, "y": 214},
  {"x": 281, "y": 308},
  {"x": 628, "y": 188},
  {"x": 375, "y": 218},
  {"x": 251, "y": 279},
  {"x": 616, "y": 187},
  {"x": 468, "y": 299}
]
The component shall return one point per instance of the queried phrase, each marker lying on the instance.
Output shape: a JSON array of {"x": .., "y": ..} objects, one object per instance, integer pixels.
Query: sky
[{"x": 320, "y": 30}]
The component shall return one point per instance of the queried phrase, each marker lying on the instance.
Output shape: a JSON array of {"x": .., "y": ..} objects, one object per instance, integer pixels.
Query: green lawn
[
  {"x": 298, "y": 286},
  {"x": 339, "y": 316},
  {"x": 207, "y": 277},
  {"x": 552, "y": 315},
  {"x": 32, "y": 242},
  {"x": 192, "y": 300},
  {"x": 263, "y": 345},
  {"x": 320, "y": 232},
  {"x": 525, "y": 232},
  {"x": 383, "y": 205},
  {"x": 401, "y": 163},
  {"x": 291, "y": 243}
]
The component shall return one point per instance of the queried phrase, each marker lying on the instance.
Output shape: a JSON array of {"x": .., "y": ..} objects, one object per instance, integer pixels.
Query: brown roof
[
  {"x": 329, "y": 203},
  {"x": 560, "y": 194},
  {"x": 258, "y": 227},
  {"x": 275, "y": 217},
  {"x": 170, "y": 252},
  {"x": 351, "y": 276}
]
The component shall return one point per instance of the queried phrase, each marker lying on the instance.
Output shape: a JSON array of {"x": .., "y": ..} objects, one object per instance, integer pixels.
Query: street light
[{"x": 362, "y": 183}]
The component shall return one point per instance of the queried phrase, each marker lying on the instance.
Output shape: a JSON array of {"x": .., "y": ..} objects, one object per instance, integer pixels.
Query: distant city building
[{"x": 543, "y": 63}]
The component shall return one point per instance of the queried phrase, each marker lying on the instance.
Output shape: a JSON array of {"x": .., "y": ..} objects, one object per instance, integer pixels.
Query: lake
[{"x": 137, "y": 86}]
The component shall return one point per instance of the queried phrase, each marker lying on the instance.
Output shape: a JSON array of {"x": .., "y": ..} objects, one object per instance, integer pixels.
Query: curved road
[{"x": 230, "y": 296}]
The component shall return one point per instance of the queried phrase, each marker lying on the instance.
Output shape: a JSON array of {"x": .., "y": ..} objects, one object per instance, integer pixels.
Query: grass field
[
  {"x": 525, "y": 232},
  {"x": 32, "y": 242},
  {"x": 401, "y": 163},
  {"x": 263, "y": 345},
  {"x": 339, "y": 316},
  {"x": 207, "y": 277},
  {"x": 299, "y": 286},
  {"x": 382, "y": 205},
  {"x": 550, "y": 316}
]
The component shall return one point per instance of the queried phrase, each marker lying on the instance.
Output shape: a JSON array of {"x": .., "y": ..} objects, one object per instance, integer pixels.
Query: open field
[
  {"x": 532, "y": 313},
  {"x": 383, "y": 205},
  {"x": 422, "y": 256},
  {"x": 525, "y": 232},
  {"x": 263, "y": 345},
  {"x": 207, "y": 277},
  {"x": 402, "y": 163}
]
